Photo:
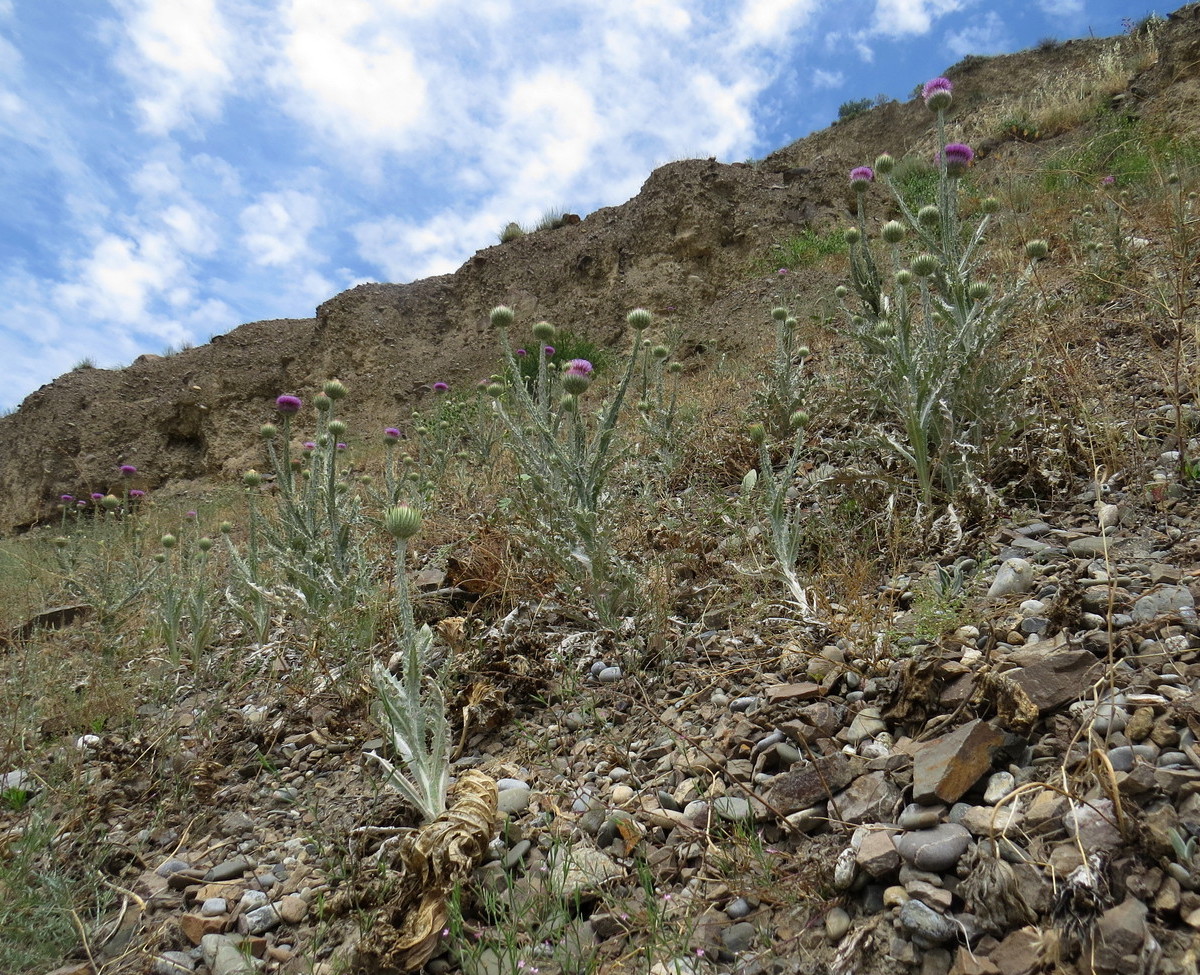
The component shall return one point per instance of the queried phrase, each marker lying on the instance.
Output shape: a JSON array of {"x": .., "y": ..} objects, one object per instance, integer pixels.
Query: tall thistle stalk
[
  {"x": 566, "y": 454},
  {"x": 932, "y": 329}
]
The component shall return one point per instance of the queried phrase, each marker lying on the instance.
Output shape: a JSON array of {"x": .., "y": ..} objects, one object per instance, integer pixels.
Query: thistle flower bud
[
  {"x": 495, "y": 389},
  {"x": 543, "y": 331},
  {"x": 798, "y": 420},
  {"x": 884, "y": 330},
  {"x": 335, "y": 390},
  {"x": 288, "y": 404},
  {"x": 989, "y": 204},
  {"x": 61, "y": 542},
  {"x": 501, "y": 316},
  {"x": 675, "y": 368},
  {"x": 884, "y": 164},
  {"x": 904, "y": 277},
  {"x": 322, "y": 402},
  {"x": 979, "y": 291},
  {"x": 402, "y": 522},
  {"x": 841, "y": 291},
  {"x": 644, "y": 406},
  {"x": 924, "y": 265},
  {"x": 252, "y": 479},
  {"x": 1035, "y": 250},
  {"x": 853, "y": 236},
  {"x": 225, "y": 527},
  {"x": 576, "y": 383},
  {"x": 110, "y": 502},
  {"x": 268, "y": 431},
  {"x": 861, "y": 178},
  {"x": 1172, "y": 178},
  {"x": 639, "y": 319},
  {"x": 790, "y": 323},
  {"x": 757, "y": 433},
  {"x": 779, "y": 314},
  {"x": 660, "y": 352},
  {"x": 204, "y": 544},
  {"x": 569, "y": 403},
  {"x": 159, "y": 558},
  {"x": 892, "y": 232},
  {"x": 929, "y": 216},
  {"x": 803, "y": 351},
  {"x": 422, "y": 430},
  {"x": 168, "y": 541},
  {"x": 337, "y": 427}
]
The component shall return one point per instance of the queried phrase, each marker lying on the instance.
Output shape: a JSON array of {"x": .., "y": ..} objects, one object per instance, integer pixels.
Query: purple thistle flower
[
  {"x": 341, "y": 446},
  {"x": 128, "y": 470},
  {"x": 97, "y": 496},
  {"x": 522, "y": 352},
  {"x": 861, "y": 177},
  {"x": 81, "y": 504},
  {"x": 782, "y": 271},
  {"x": 937, "y": 93},
  {"x": 441, "y": 387},
  {"x": 288, "y": 404},
  {"x": 190, "y": 516},
  {"x": 137, "y": 493},
  {"x": 391, "y": 433},
  {"x": 580, "y": 367},
  {"x": 1108, "y": 180},
  {"x": 309, "y": 445},
  {"x": 957, "y": 156},
  {"x": 548, "y": 350},
  {"x": 66, "y": 498}
]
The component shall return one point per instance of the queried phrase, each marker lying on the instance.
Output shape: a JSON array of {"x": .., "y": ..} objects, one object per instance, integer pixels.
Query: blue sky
[{"x": 173, "y": 168}]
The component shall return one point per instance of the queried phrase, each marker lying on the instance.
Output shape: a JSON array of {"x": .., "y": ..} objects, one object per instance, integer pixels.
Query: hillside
[{"x": 834, "y": 611}]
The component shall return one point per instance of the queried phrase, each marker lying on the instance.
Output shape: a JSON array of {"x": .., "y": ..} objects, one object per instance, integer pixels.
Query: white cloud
[
  {"x": 769, "y": 23},
  {"x": 176, "y": 57},
  {"x": 898, "y": 18},
  {"x": 1063, "y": 9},
  {"x": 828, "y": 79},
  {"x": 987, "y": 37},
  {"x": 275, "y": 229}
]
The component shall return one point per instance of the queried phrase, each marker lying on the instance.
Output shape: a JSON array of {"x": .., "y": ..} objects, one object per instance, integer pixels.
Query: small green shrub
[
  {"x": 848, "y": 110},
  {"x": 807, "y": 247},
  {"x": 552, "y": 219},
  {"x": 511, "y": 232}
]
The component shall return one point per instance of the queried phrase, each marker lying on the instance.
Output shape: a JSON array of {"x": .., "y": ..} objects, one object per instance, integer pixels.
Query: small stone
[
  {"x": 1119, "y": 933},
  {"x": 742, "y": 704},
  {"x": 917, "y": 816},
  {"x": 739, "y": 937},
  {"x": 214, "y": 907},
  {"x": 1093, "y": 825},
  {"x": 1020, "y": 952},
  {"x": 517, "y": 854},
  {"x": 1014, "y": 576},
  {"x": 937, "y": 849},
  {"x": 173, "y": 963},
  {"x": 844, "y": 868},
  {"x": 293, "y": 908},
  {"x": 1139, "y": 725},
  {"x": 174, "y": 865},
  {"x": 803, "y": 786},
  {"x": 895, "y": 895},
  {"x": 252, "y": 899},
  {"x": 936, "y": 897},
  {"x": 229, "y": 870},
  {"x": 999, "y": 785},
  {"x": 514, "y": 801},
  {"x": 837, "y": 923},
  {"x": 609, "y": 675},
  {"x": 866, "y": 724},
  {"x": 732, "y": 808},
  {"x": 920, "y": 919},
  {"x": 877, "y": 855},
  {"x": 196, "y": 926},
  {"x": 868, "y": 799},
  {"x": 259, "y": 920},
  {"x": 738, "y": 909},
  {"x": 622, "y": 794},
  {"x": 1166, "y": 600}
]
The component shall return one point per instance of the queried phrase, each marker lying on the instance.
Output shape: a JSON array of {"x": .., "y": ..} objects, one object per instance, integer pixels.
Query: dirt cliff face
[{"x": 691, "y": 244}]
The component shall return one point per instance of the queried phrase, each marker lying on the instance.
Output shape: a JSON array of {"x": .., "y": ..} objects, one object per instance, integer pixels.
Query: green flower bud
[
  {"x": 675, "y": 368},
  {"x": 61, "y": 542},
  {"x": 110, "y": 502},
  {"x": 779, "y": 314},
  {"x": 798, "y": 420},
  {"x": 337, "y": 427},
  {"x": 1035, "y": 250},
  {"x": 979, "y": 291},
  {"x": 904, "y": 277},
  {"x": 365, "y": 479},
  {"x": 322, "y": 402},
  {"x": 884, "y": 164},
  {"x": 225, "y": 527},
  {"x": 402, "y": 522},
  {"x": 1172, "y": 178},
  {"x": 569, "y": 403},
  {"x": 495, "y": 389},
  {"x": 335, "y": 390},
  {"x": 989, "y": 204},
  {"x": 660, "y": 352},
  {"x": 841, "y": 291},
  {"x": 576, "y": 383},
  {"x": 501, "y": 316},
  {"x": 204, "y": 544},
  {"x": 543, "y": 331},
  {"x": 639, "y": 319},
  {"x": 924, "y": 265},
  {"x": 853, "y": 235},
  {"x": 929, "y": 216},
  {"x": 267, "y": 431},
  {"x": 892, "y": 232},
  {"x": 421, "y": 431},
  {"x": 790, "y": 323},
  {"x": 803, "y": 351},
  {"x": 252, "y": 479},
  {"x": 168, "y": 541},
  {"x": 884, "y": 330},
  {"x": 159, "y": 558},
  {"x": 644, "y": 406},
  {"x": 757, "y": 433}
]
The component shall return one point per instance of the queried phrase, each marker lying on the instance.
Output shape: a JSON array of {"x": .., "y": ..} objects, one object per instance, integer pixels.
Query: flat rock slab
[
  {"x": 945, "y": 768},
  {"x": 1057, "y": 678},
  {"x": 803, "y": 787},
  {"x": 793, "y": 692}
]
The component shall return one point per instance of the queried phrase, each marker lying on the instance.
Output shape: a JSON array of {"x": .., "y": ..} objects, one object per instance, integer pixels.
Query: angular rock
[
  {"x": 1167, "y": 600},
  {"x": 1116, "y": 940},
  {"x": 945, "y": 768},
  {"x": 196, "y": 926},
  {"x": 793, "y": 692},
  {"x": 867, "y": 799},
  {"x": 921, "y": 920},
  {"x": 1052, "y": 679},
  {"x": 1019, "y": 953},
  {"x": 877, "y": 855},
  {"x": 802, "y": 787}
]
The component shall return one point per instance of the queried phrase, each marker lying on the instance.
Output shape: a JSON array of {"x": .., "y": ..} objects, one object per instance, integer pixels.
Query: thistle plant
[
  {"x": 565, "y": 454},
  {"x": 930, "y": 327},
  {"x": 658, "y": 405},
  {"x": 414, "y": 710}
]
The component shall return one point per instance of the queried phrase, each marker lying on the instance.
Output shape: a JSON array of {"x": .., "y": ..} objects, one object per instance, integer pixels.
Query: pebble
[
  {"x": 916, "y": 816},
  {"x": 1014, "y": 576},
  {"x": 252, "y": 899},
  {"x": 895, "y": 896},
  {"x": 229, "y": 870},
  {"x": 214, "y": 907},
  {"x": 609, "y": 675},
  {"x": 844, "y": 869},
  {"x": 622, "y": 794},
  {"x": 173, "y": 963},
  {"x": 919, "y": 919},
  {"x": 837, "y": 923},
  {"x": 174, "y": 865},
  {"x": 1123, "y": 756},
  {"x": 936, "y": 850},
  {"x": 733, "y": 808},
  {"x": 738, "y": 909},
  {"x": 259, "y": 920},
  {"x": 292, "y": 908},
  {"x": 738, "y": 937},
  {"x": 514, "y": 801},
  {"x": 1000, "y": 784}
]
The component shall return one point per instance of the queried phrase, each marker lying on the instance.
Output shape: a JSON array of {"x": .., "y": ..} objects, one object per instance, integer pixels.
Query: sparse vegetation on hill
[{"x": 831, "y": 611}]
